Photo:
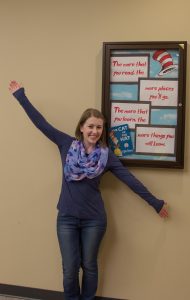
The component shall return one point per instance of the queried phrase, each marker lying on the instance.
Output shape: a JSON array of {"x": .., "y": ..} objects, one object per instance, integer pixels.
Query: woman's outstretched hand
[
  {"x": 14, "y": 86},
  {"x": 164, "y": 211}
]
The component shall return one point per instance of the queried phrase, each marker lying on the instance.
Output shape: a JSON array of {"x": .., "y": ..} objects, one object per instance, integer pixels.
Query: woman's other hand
[
  {"x": 14, "y": 86},
  {"x": 164, "y": 211}
]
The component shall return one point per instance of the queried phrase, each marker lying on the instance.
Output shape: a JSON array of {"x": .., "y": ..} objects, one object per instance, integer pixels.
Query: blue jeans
[{"x": 79, "y": 241}]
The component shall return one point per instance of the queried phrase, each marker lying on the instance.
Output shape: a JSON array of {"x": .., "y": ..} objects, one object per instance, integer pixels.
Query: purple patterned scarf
[{"x": 79, "y": 165}]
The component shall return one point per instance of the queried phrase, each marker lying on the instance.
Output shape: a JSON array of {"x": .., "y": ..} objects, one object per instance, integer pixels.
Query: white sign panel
[
  {"x": 128, "y": 68},
  {"x": 159, "y": 92},
  {"x": 129, "y": 113},
  {"x": 155, "y": 140}
]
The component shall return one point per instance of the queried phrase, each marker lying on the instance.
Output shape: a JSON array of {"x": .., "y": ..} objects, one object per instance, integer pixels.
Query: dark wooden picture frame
[{"x": 143, "y": 100}]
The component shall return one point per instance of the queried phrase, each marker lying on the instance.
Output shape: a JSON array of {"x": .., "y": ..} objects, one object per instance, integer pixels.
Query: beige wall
[{"x": 54, "y": 47}]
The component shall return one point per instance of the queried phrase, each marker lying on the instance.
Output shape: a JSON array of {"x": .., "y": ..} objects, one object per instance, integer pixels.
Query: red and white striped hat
[{"x": 166, "y": 61}]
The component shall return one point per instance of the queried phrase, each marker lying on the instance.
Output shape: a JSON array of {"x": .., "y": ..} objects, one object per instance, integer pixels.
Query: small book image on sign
[{"x": 120, "y": 140}]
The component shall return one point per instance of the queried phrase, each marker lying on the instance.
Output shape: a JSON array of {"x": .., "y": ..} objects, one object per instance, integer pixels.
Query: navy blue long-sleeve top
[{"x": 83, "y": 199}]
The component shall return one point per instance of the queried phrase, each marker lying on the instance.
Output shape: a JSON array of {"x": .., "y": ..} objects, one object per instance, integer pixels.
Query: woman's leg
[
  {"x": 92, "y": 232},
  {"x": 68, "y": 233}
]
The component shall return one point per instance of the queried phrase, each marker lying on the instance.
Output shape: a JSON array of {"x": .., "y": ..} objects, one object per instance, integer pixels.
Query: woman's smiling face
[{"x": 92, "y": 130}]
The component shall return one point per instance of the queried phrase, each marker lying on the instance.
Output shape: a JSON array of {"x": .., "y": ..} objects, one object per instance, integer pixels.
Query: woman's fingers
[
  {"x": 164, "y": 211},
  {"x": 14, "y": 86}
]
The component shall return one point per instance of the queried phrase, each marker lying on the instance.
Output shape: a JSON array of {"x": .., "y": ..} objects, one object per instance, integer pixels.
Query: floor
[{"x": 12, "y": 298}]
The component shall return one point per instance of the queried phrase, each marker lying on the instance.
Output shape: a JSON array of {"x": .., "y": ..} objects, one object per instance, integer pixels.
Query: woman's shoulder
[{"x": 66, "y": 139}]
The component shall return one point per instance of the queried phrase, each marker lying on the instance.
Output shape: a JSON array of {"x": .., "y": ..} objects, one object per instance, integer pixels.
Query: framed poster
[{"x": 143, "y": 100}]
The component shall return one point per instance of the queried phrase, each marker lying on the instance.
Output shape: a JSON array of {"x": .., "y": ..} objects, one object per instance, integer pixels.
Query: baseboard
[{"x": 33, "y": 293}]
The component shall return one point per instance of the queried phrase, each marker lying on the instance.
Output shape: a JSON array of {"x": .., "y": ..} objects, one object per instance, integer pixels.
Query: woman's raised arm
[{"x": 55, "y": 135}]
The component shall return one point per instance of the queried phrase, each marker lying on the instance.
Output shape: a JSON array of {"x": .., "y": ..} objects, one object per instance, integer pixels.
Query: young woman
[{"x": 81, "y": 220}]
